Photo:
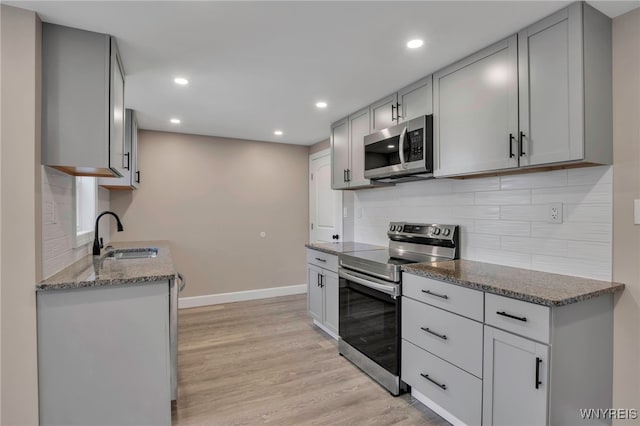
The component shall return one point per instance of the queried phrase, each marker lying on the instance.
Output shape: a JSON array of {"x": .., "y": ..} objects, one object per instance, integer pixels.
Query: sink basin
[{"x": 132, "y": 253}]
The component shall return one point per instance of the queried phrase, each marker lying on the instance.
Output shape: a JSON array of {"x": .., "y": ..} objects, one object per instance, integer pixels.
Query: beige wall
[
  {"x": 320, "y": 146},
  {"x": 20, "y": 47},
  {"x": 626, "y": 188},
  {"x": 212, "y": 197}
]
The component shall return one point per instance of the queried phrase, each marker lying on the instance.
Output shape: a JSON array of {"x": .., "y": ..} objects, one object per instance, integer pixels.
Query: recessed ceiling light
[
  {"x": 278, "y": 133},
  {"x": 391, "y": 146},
  {"x": 414, "y": 44},
  {"x": 175, "y": 120},
  {"x": 321, "y": 104},
  {"x": 181, "y": 81}
]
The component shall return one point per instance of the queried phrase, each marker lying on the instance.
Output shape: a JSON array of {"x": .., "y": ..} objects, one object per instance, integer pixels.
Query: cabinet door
[
  {"x": 135, "y": 171},
  {"x": 515, "y": 384},
  {"x": 330, "y": 287},
  {"x": 117, "y": 159},
  {"x": 476, "y": 112},
  {"x": 384, "y": 113},
  {"x": 416, "y": 100},
  {"x": 314, "y": 292},
  {"x": 340, "y": 154},
  {"x": 551, "y": 89},
  {"x": 358, "y": 129}
]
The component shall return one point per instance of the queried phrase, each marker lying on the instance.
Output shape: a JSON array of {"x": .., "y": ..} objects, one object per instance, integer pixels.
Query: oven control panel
[{"x": 435, "y": 231}]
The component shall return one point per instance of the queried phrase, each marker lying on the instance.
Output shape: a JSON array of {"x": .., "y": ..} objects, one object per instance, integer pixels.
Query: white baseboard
[
  {"x": 239, "y": 296},
  {"x": 437, "y": 408}
]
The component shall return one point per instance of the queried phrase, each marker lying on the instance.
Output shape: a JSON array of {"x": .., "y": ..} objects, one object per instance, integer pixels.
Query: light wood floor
[{"x": 263, "y": 362}]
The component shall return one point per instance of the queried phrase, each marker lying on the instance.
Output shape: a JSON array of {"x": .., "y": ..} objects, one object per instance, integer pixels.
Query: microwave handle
[{"x": 403, "y": 136}]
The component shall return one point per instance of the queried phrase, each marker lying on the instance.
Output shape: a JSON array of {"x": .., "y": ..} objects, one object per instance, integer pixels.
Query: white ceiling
[{"x": 259, "y": 66}]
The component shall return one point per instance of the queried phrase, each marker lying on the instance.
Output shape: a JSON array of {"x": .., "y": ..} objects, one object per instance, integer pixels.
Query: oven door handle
[{"x": 372, "y": 283}]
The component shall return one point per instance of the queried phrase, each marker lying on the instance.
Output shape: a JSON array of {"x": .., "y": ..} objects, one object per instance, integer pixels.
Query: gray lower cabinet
[
  {"x": 103, "y": 355},
  {"x": 322, "y": 290},
  {"x": 131, "y": 178},
  {"x": 82, "y": 102},
  {"x": 541, "y": 97},
  {"x": 494, "y": 360},
  {"x": 516, "y": 381}
]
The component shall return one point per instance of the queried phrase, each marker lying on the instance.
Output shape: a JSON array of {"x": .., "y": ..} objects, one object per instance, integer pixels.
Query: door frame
[{"x": 312, "y": 157}]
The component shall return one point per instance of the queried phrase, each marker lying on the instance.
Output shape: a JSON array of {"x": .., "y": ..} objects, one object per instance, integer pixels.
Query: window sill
[{"x": 83, "y": 238}]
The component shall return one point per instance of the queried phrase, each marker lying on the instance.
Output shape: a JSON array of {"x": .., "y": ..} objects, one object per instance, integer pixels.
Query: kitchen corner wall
[
  {"x": 211, "y": 197},
  {"x": 626, "y": 189},
  {"x": 504, "y": 219},
  {"x": 57, "y": 216}
]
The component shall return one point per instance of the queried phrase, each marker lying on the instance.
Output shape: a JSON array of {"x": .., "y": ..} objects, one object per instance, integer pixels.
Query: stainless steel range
[{"x": 369, "y": 296}]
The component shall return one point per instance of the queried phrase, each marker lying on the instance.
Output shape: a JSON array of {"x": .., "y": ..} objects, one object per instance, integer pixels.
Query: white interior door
[{"x": 325, "y": 204}]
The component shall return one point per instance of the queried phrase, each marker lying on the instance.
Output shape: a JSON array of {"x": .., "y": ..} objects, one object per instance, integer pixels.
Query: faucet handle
[{"x": 101, "y": 243}]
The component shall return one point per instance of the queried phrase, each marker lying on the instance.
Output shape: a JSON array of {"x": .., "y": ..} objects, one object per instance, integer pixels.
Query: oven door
[
  {"x": 369, "y": 318},
  {"x": 400, "y": 150}
]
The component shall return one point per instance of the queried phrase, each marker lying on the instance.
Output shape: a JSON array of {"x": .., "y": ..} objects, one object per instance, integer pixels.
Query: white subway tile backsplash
[
  {"x": 475, "y": 212},
  {"x": 588, "y": 213},
  {"x": 590, "y": 175},
  {"x": 579, "y": 231},
  {"x": 474, "y": 185},
  {"x": 584, "y": 194},
  {"x": 520, "y": 196},
  {"x": 503, "y": 227},
  {"x": 503, "y": 220},
  {"x": 529, "y": 213},
  {"x": 57, "y": 216},
  {"x": 534, "y": 245},
  {"x": 534, "y": 180}
]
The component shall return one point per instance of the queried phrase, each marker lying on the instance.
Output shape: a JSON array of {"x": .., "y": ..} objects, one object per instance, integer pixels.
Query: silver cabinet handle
[
  {"x": 403, "y": 136},
  {"x": 321, "y": 260},
  {"x": 428, "y": 330},
  {"x": 440, "y": 385},
  {"x": 182, "y": 280},
  {"x": 442, "y": 296},
  {"x": 390, "y": 289}
]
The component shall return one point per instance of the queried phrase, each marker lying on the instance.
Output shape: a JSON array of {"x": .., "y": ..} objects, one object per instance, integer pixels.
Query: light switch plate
[
  {"x": 345, "y": 212},
  {"x": 636, "y": 212}
]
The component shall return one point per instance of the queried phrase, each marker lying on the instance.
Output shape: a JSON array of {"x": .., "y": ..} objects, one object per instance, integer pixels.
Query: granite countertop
[
  {"x": 542, "y": 288},
  {"x": 342, "y": 247},
  {"x": 95, "y": 272}
]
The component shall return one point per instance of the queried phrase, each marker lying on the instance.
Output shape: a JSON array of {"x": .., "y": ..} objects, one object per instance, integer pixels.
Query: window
[{"x": 85, "y": 195}]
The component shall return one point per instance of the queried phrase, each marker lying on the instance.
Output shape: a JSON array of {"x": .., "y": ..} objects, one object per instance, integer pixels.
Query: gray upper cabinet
[
  {"x": 340, "y": 154},
  {"x": 82, "y": 102},
  {"x": 542, "y": 97},
  {"x": 131, "y": 178},
  {"x": 565, "y": 88},
  {"x": 476, "y": 111},
  {"x": 416, "y": 99},
  {"x": 347, "y": 151},
  {"x": 384, "y": 113}
]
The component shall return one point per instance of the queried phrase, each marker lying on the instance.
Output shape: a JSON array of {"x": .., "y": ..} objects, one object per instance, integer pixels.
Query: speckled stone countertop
[
  {"x": 537, "y": 287},
  {"x": 98, "y": 271},
  {"x": 342, "y": 247}
]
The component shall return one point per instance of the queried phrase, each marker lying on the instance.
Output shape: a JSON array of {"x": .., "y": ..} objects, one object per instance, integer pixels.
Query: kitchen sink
[{"x": 132, "y": 253}]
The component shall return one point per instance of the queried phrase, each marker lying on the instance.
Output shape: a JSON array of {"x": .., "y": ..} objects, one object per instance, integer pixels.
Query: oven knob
[
  {"x": 446, "y": 232},
  {"x": 436, "y": 231},
  {"x": 393, "y": 227}
]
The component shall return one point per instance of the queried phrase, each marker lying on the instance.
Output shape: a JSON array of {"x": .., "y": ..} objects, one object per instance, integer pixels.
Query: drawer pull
[
  {"x": 538, "y": 362},
  {"x": 321, "y": 260},
  {"x": 442, "y": 296},
  {"x": 504, "y": 314},
  {"x": 440, "y": 385},
  {"x": 442, "y": 336}
]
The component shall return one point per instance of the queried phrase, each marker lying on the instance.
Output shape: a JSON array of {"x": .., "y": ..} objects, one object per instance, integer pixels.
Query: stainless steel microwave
[{"x": 400, "y": 152}]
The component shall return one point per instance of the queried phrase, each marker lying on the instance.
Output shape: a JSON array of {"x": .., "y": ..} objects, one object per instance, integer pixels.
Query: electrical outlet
[
  {"x": 345, "y": 212},
  {"x": 555, "y": 213}
]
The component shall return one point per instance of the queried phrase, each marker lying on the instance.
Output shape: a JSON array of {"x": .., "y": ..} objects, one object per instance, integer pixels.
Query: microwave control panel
[{"x": 415, "y": 146}]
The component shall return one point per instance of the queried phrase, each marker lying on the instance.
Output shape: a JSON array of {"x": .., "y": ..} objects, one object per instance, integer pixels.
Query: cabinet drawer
[
  {"x": 324, "y": 260},
  {"x": 451, "y": 297},
  {"x": 455, "y": 390},
  {"x": 454, "y": 338},
  {"x": 523, "y": 318}
]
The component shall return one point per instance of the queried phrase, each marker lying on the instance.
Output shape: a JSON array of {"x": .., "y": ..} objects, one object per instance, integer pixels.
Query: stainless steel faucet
[{"x": 97, "y": 244}]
